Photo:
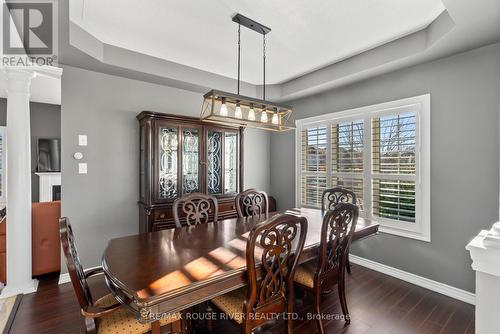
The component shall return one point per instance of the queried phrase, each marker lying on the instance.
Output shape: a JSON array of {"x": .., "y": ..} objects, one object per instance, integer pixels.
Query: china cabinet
[{"x": 182, "y": 155}]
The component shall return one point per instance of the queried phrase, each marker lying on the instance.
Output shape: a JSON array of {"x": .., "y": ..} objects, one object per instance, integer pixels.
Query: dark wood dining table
[{"x": 171, "y": 270}]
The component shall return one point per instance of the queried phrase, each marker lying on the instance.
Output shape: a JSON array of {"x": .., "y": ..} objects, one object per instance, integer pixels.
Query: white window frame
[{"x": 421, "y": 105}]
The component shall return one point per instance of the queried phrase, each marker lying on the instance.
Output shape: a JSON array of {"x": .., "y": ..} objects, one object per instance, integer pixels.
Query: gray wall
[
  {"x": 45, "y": 123},
  {"x": 464, "y": 158},
  {"x": 103, "y": 203}
]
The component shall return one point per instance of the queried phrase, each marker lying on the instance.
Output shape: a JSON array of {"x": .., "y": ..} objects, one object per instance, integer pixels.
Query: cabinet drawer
[
  {"x": 163, "y": 226},
  {"x": 227, "y": 206},
  {"x": 227, "y": 209},
  {"x": 163, "y": 214}
]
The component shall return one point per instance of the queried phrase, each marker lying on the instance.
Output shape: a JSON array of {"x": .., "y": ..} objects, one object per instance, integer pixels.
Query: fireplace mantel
[{"x": 46, "y": 183}]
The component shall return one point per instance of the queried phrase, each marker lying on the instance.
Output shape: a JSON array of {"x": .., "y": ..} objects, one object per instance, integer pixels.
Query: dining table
[{"x": 169, "y": 271}]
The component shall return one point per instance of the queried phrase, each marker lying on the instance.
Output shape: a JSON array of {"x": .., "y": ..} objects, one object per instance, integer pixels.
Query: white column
[
  {"x": 18, "y": 143},
  {"x": 485, "y": 253}
]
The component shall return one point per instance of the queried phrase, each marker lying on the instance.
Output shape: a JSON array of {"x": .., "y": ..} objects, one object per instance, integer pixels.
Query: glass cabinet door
[
  {"x": 167, "y": 163},
  {"x": 214, "y": 162},
  {"x": 222, "y": 161},
  {"x": 231, "y": 162},
  {"x": 190, "y": 160}
]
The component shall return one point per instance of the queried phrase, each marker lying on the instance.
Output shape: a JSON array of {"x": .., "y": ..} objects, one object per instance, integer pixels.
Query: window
[{"x": 380, "y": 152}]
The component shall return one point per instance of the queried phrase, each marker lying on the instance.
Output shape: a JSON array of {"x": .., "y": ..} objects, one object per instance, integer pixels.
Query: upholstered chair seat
[
  {"x": 123, "y": 321},
  {"x": 304, "y": 274},
  {"x": 232, "y": 304}
]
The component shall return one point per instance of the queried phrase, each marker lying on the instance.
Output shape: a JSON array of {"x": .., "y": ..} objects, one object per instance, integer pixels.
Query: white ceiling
[{"x": 305, "y": 36}]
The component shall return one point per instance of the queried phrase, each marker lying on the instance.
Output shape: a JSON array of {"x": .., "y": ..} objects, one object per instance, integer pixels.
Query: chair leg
[
  {"x": 342, "y": 296},
  {"x": 317, "y": 308},
  {"x": 185, "y": 322},
  {"x": 155, "y": 327},
  {"x": 290, "y": 305},
  {"x": 209, "y": 320},
  {"x": 348, "y": 263},
  {"x": 176, "y": 327},
  {"x": 89, "y": 326}
]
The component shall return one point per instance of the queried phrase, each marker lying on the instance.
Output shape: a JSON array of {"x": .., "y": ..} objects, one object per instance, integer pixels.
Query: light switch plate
[
  {"x": 82, "y": 168},
  {"x": 82, "y": 140}
]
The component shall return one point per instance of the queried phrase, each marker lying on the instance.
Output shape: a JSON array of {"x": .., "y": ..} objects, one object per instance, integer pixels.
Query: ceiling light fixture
[{"x": 223, "y": 107}]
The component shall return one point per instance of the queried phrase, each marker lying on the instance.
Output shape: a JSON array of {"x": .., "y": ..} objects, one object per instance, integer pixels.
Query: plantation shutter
[
  {"x": 347, "y": 145},
  {"x": 313, "y": 165},
  {"x": 394, "y": 166}
]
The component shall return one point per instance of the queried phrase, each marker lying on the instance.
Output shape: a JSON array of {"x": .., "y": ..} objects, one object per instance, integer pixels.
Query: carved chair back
[
  {"x": 252, "y": 203},
  {"x": 277, "y": 243},
  {"x": 195, "y": 209},
  {"x": 75, "y": 268},
  {"x": 336, "y": 235},
  {"x": 333, "y": 196}
]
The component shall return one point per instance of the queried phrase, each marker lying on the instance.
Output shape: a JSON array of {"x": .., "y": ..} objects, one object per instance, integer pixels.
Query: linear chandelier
[{"x": 228, "y": 108}]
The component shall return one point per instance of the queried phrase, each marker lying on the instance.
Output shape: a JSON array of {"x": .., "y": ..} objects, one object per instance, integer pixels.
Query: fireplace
[
  {"x": 49, "y": 188},
  {"x": 56, "y": 193}
]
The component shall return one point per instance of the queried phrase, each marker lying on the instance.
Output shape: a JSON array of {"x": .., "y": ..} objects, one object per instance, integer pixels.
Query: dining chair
[
  {"x": 334, "y": 196},
  {"x": 252, "y": 203},
  {"x": 277, "y": 244},
  {"x": 322, "y": 274},
  {"x": 106, "y": 315},
  {"x": 196, "y": 209}
]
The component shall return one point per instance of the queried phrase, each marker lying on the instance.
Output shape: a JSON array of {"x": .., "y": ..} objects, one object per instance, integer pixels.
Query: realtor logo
[{"x": 29, "y": 33}]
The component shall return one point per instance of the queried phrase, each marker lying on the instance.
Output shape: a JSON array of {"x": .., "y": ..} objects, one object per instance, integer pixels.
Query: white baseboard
[
  {"x": 447, "y": 290},
  {"x": 10, "y": 291},
  {"x": 64, "y": 278}
]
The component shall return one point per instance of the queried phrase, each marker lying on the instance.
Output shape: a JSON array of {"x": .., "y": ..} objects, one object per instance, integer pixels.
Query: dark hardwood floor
[{"x": 377, "y": 304}]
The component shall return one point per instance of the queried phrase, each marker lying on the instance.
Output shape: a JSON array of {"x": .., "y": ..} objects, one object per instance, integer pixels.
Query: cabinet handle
[{"x": 162, "y": 216}]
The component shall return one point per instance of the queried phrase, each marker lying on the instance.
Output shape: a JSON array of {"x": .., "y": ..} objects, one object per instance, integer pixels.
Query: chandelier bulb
[
  {"x": 251, "y": 114},
  {"x": 263, "y": 116},
  {"x": 237, "y": 111},
  {"x": 274, "y": 119},
  {"x": 223, "y": 108}
]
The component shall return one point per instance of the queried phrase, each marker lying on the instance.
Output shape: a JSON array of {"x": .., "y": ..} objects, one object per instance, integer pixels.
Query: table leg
[
  {"x": 176, "y": 327},
  {"x": 155, "y": 327}
]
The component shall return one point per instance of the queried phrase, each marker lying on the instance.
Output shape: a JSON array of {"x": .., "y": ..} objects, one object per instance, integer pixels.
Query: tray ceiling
[{"x": 305, "y": 36}]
